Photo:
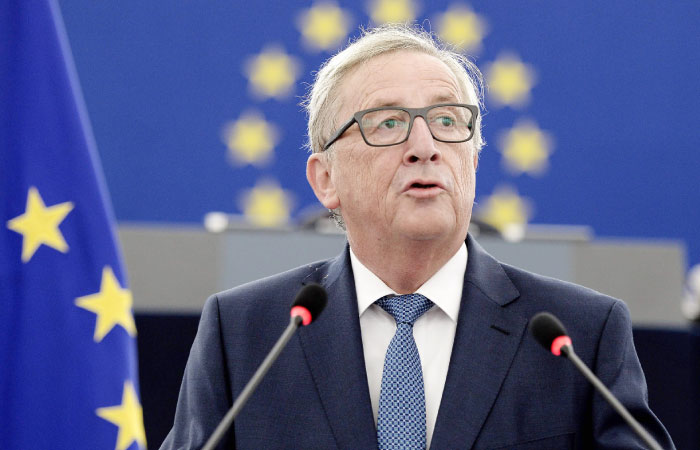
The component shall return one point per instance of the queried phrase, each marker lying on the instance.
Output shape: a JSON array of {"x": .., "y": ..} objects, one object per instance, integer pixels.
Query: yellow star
[
  {"x": 392, "y": 11},
  {"x": 510, "y": 81},
  {"x": 250, "y": 139},
  {"x": 267, "y": 205},
  {"x": 39, "y": 225},
  {"x": 526, "y": 148},
  {"x": 112, "y": 306},
  {"x": 324, "y": 26},
  {"x": 128, "y": 417},
  {"x": 272, "y": 73},
  {"x": 505, "y": 208},
  {"x": 461, "y": 27}
]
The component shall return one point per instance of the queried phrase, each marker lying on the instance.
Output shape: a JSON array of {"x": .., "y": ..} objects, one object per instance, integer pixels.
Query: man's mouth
[
  {"x": 424, "y": 189},
  {"x": 423, "y": 186}
]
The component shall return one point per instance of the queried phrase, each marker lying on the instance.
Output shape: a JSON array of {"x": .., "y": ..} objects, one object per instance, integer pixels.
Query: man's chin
[{"x": 430, "y": 227}]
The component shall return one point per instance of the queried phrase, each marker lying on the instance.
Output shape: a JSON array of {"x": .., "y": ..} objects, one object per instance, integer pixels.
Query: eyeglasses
[{"x": 391, "y": 125}]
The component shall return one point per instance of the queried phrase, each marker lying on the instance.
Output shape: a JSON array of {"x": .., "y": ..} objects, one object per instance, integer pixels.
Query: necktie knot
[{"x": 405, "y": 308}]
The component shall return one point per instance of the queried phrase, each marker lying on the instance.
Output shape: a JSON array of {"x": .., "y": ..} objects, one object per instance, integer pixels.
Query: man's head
[
  {"x": 419, "y": 189},
  {"x": 323, "y": 100}
]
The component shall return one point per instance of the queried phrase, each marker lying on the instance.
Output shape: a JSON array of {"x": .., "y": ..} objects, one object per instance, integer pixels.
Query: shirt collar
[{"x": 444, "y": 288}]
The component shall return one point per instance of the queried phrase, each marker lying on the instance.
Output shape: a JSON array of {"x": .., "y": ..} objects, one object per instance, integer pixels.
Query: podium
[{"x": 174, "y": 269}]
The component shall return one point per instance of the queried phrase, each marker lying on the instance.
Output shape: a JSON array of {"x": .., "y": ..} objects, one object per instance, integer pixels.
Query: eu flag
[{"x": 68, "y": 375}]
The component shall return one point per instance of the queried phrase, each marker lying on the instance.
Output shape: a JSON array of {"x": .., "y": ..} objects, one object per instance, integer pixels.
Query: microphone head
[
  {"x": 549, "y": 332},
  {"x": 309, "y": 302}
]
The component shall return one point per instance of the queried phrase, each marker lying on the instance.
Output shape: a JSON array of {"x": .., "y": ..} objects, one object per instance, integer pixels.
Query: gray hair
[{"x": 322, "y": 99}]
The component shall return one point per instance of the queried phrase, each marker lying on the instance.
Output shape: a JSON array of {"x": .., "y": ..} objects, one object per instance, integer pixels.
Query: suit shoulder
[
  {"x": 585, "y": 313},
  {"x": 557, "y": 294},
  {"x": 281, "y": 287}
]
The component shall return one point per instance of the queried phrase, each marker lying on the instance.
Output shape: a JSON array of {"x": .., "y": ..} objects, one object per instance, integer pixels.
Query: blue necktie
[{"x": 401, "y": 418}]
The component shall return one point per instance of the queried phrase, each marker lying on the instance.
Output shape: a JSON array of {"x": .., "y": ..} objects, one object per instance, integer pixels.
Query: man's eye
[
  {"x": 389, "y": 123},
  {"x": 445, "y": 121}
]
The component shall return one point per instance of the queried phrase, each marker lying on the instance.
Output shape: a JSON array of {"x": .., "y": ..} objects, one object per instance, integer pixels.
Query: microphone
[
  {"x": 306, "y": 308},
  {"x": 551, "y": 334}
]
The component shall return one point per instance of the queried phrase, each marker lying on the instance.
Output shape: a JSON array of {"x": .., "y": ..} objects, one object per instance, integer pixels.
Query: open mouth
[
  {"x": 424, "y": 190},
  {"x": 423, "y": 186}
]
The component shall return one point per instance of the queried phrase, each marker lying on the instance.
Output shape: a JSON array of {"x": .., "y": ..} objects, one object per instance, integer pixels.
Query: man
[{"x": 423, "y": 342}]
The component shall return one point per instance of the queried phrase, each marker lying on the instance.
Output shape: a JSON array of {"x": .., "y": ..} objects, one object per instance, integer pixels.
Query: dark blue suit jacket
[{"x": 502, "y": 390}]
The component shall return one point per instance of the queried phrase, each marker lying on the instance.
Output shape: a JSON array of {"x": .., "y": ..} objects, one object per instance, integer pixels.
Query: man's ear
[{"x": 318, "y": 173}]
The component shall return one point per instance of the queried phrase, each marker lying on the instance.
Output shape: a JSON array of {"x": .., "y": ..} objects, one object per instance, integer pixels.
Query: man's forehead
[
  {"x": 374, "y": 101},
  {"x": 387, "y": 80}
]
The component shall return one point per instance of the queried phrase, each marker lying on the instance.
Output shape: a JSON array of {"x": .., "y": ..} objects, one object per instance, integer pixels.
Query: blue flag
[{"x": 68, "y": 375}]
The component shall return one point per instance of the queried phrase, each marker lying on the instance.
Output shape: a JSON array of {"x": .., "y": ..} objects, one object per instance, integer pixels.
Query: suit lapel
[
  {"x": 333, "y": 350},
  {"x": 486, "y": 341}
]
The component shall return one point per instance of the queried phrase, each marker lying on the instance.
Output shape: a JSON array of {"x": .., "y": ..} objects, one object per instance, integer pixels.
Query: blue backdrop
[{"x": 592, "y": 111}]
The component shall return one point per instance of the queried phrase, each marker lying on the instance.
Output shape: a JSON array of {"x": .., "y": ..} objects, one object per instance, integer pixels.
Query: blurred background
[
  {"x": 590, "y": 172},
  {"x": 590, "y": 120}
]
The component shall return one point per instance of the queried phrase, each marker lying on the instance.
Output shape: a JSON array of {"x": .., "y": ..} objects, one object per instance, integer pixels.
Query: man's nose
[{"x": 420, "y": 143}]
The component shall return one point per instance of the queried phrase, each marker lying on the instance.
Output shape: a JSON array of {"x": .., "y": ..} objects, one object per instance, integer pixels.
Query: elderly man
[{"x": 423, "y": 342}]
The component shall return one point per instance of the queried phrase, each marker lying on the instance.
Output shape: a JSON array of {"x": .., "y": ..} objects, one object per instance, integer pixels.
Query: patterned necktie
[{"x": 401, "y": 418}]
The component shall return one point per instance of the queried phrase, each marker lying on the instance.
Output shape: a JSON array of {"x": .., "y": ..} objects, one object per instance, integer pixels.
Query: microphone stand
[
  {"x": 568, "y": 351},
  {"x": 249, "y": 388}
]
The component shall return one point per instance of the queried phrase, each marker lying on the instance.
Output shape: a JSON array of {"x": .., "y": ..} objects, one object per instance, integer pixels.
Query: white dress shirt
[{"x": 434, "y": 331}]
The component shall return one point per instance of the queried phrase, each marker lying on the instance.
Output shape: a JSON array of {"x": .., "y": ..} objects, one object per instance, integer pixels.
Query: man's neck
[{"x": 407, "y": 266}]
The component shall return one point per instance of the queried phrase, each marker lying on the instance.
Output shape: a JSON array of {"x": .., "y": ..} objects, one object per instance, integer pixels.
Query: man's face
[{"x": 421, "y": 189}]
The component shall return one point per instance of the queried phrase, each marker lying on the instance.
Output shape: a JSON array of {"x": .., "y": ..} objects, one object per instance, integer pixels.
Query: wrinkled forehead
[{"x": 387, "y": 80}]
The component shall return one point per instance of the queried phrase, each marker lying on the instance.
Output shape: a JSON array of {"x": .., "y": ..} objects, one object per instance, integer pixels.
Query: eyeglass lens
[{"x": 390, "y": 126}]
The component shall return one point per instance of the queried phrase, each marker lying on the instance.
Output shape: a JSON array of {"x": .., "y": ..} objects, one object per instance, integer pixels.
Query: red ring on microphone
[
  {"x": 301, "y": 312},
  {"x": 558, "y": 343}
]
